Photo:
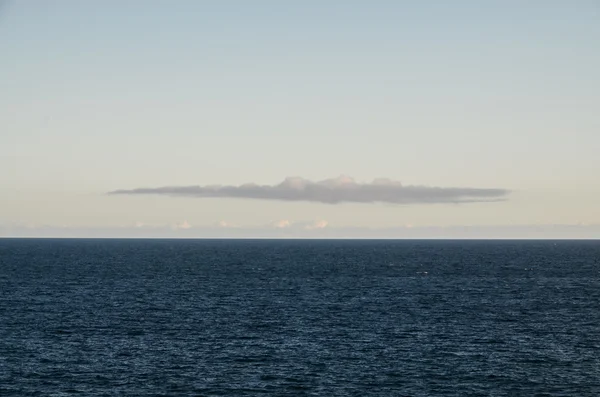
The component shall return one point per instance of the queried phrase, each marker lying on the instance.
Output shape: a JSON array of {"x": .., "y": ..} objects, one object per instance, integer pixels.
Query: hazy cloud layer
[
  {"x": 300, "y": 230},
  {"x": 333, "y": 191}
]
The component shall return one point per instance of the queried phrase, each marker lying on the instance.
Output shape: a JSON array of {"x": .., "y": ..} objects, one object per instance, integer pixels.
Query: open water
[{"x": 299, "y": 318}]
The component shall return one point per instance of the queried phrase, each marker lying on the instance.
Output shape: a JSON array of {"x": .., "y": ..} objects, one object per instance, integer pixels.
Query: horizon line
[{"x": 308, "y": 238}]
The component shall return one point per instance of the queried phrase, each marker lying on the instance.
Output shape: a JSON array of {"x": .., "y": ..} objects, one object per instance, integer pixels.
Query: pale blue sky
[{"x": 97, "y": 96}]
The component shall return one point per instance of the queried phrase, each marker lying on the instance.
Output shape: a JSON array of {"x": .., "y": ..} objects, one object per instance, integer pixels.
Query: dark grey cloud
[{"x": 332, "y": 191}]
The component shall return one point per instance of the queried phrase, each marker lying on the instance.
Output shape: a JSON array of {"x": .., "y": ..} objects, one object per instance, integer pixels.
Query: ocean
[{"x": 130, "y": 317}]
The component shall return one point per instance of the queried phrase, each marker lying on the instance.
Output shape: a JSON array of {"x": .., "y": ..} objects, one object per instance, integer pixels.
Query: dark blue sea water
[{"x": 314, "y": 318}]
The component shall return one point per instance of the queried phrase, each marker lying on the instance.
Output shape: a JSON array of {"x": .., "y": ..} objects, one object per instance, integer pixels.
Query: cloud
[
  {"x": 182, "y": 225},
  {"x": 317, "y": 225},
  {"x": 281, "y": 224},
  {"x": 332, "y": 191},
  {"x": 299, "y": 230},
  {"x": 226, "y": 224},
  {"x": 297, "y": 226}
]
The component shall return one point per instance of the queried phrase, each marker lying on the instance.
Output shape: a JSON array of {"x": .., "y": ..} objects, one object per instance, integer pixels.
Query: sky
[{"x": 272, "y": 118}]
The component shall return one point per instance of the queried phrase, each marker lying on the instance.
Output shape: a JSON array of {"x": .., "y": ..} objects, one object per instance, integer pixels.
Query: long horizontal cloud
[
  {"x": 268, "y": 231},
  {"x": 332, "y": 191}
]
